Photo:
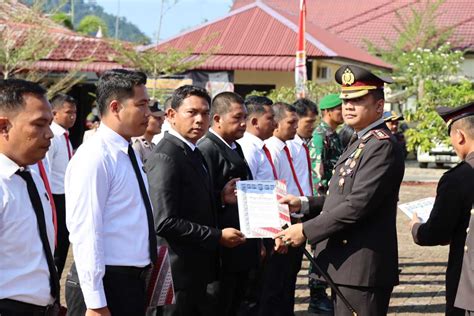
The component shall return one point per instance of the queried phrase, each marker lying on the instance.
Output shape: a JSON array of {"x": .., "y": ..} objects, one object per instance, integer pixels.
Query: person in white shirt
[
  {"x": 28, "y": 279},
  {"x": 307, "y": 113},
  {"x": 144, "y": 144},
  {"x": 289, "y": 265},
  {"x": 109, "y": 216},
  {"x": 260, "y": 126},
  {"x": 286, "y": 124},
  {"x": 165, "y": 127},
  {"x": 58, "y": 156}
]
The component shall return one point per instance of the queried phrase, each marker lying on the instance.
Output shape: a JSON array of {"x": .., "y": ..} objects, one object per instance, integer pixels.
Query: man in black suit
[
  {"x": 226, "y": 161},
  {"x": 184, "y": 203},
  {"x": 450, "y": 216},
  {"x": 356, "y": 227}
]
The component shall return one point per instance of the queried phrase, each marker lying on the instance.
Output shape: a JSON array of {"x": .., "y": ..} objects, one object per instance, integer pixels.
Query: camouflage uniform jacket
[{"x": 324, "y": 154}]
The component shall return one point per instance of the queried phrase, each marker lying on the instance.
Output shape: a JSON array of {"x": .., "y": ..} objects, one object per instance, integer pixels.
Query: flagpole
[{"x": 300, "y": 62}]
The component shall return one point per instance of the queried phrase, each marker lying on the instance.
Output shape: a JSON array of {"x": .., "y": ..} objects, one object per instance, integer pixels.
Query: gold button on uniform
[
  {"x": 344, "y": 241},
  {"x": 467, "y": 230},
  {"x": 465, "y": 248}
]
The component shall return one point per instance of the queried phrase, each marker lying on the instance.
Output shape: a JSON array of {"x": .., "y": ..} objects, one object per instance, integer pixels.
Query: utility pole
[
  {"x": 72, "y": 12},
  {"x": 117, "y": 20}
]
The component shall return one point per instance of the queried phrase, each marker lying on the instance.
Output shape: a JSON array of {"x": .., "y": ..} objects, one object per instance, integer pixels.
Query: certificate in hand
[
  {"x": 422, "y": 208},
  {"x": 260, "y": 214}
]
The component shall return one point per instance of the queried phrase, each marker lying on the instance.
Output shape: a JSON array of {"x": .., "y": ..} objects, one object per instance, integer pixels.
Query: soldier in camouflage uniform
[{"x": 326, "y": 149}]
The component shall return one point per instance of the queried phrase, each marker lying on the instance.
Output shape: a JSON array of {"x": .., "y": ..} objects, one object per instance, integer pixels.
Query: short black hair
[
  {"x": 167, "y": 103},
  {"x": 378, "y": 94},
  {"x": 59, "y": 99},
  {"x": 280, "y": 109},
  {"x": 117, "y": 84},
  {"x": 256, "y": 104},
  {"x": 303, "y": 106},
  {"x": 222, "y": 102},
  {"x": 12, "y": 93},
  {"x": 186, "y": 91}
]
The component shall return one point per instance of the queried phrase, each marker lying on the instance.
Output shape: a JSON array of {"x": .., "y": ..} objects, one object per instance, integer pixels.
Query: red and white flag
[{"x": 300, "y": 66}]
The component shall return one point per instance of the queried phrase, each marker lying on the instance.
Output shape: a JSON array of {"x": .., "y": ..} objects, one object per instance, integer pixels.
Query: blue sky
[{"x": 184, "y": 15}]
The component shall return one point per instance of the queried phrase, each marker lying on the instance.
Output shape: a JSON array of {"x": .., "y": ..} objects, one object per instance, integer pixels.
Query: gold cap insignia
[{"x": 347, "y": 77}]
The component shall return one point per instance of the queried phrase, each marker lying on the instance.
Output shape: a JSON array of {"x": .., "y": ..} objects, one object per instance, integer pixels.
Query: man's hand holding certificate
[{"x": 260, "y": 213}]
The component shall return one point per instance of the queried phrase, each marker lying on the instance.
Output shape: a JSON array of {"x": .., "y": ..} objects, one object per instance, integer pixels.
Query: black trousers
[
  {"x": 124, "y": 290},
  {"x": 273, "y": 297},
  {"x": 367, "y": 301},
  {"x": 234, "y": 292},
  {"x": 17, "y": 308},
  {"x": 279, "y": 282},
  {"x": 194, "y": 301},
  {"x": 60, "y": 254}
]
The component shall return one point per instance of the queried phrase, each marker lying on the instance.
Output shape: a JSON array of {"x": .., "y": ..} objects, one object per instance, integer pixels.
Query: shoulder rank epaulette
[
  {"x": 380, "y": 134},
  {"x": 366, "y": 137}
]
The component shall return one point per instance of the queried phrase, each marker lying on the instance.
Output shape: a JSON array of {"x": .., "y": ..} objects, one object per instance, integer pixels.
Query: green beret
[{"x": 330, "y": 101}]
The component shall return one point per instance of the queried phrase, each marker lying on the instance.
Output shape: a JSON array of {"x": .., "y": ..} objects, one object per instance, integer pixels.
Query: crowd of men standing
[{"x": 120, "y": 196}]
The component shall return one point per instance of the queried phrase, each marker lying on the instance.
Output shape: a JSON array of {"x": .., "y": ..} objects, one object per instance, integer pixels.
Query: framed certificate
[{"x": 260, "y": 214}]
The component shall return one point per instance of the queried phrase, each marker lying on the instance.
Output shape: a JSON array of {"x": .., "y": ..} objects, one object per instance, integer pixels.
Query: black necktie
[
  {"x": 146, "y": 201},
  {"x": 199, "y": 160},
  {"x": 354, "y": 137},
  {"x": 39, "y": 212}
]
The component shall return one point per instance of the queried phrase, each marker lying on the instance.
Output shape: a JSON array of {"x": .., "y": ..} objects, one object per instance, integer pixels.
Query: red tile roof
[
  {"x": 356, "y": 20},
  {"x": 70, "y": 49},
  {"x": 257, "y": 37}
]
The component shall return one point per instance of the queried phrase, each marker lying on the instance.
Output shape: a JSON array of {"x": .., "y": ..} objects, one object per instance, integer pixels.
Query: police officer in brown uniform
[
  {"x": 465, "y": 291},
  {"x": 355, "y": 225},
  {"x": 454, "y": 198}
]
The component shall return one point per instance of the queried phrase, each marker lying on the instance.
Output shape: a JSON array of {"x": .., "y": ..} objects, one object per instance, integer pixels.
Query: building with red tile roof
[
  {"x": 357, "y": 21},
  {"x": 376, "y": 21},
  {"x": 70, "y": 50},
  {"x": 256, "y": 44}
]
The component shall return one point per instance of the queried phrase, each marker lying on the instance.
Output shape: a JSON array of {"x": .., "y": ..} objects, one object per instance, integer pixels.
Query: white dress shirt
[
  {"x": 259, "y": 165},
  {"x": 58, "y": 158},
  {"x": 164, "y": 129},
  {"x": 300, "y": 162},
  {"x": 180, "y": 137},
  {"x": 24, "y": 273},
  {"x": 232, "y": 146},
  {"x": 105, "y": 213},
  {"x": 282, "y": 164}
]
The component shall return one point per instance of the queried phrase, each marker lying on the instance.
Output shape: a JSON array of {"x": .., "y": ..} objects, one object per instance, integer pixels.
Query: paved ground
[{"x": 421, "y": 289}]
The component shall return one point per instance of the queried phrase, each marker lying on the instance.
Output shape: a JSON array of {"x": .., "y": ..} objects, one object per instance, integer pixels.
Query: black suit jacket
[
  {"x": 225, "y": 164},
  {"x": 356, "y": 228},
  {"x": 448, "y": 222},
  {"x": 184, "y": 211}
]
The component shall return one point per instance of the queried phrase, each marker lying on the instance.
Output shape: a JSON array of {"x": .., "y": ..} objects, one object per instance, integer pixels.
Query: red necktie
[
  {"x": 69, "y": 154},
  {"x": 308, "y": 159},
  {"x": 267, "y": 153},
  {"x": 44, "y": 177},
  {"x": 287, "y": 151}
]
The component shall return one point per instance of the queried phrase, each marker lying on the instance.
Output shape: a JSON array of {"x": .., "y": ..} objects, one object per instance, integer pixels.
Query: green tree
[
  {"x": 314, "y": 90},
  {"x": 157, "y": 64},
  {"x": 62, "y": 19},
  {"x": 25, "y": 40},
  {"x": 91, "y": 24},
  {"x": 427, "y": 67}
]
